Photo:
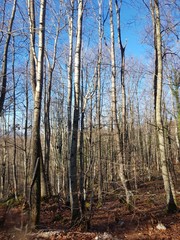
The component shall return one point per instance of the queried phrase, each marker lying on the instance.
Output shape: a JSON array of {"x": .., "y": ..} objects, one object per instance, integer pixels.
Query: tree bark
[
  {"x": 174, "y": 86},
  {"x": 5, "y": 58},
  {"x": 33, "y": 58},
  {"x": 47, "y": 104},
  {"x": 14, "y": 124},
  {"x": 75, "y": 211},
  {"x": 166, "y": 174},
  {"x": 81, "y": 150},
  {"x": 100, "y": 32},
  {"x": 36, "y": 142},
  {"x": 117, "y": 133},
  {"x": 70, "y": 76},
  {"x": 26, "y": 158}
]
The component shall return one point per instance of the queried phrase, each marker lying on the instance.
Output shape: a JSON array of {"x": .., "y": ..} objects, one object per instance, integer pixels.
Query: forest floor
[{"x": 111, "y": 221}]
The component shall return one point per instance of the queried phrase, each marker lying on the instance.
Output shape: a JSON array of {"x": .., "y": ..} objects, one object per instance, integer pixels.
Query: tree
[
  {"x": 47, "y": 102},
  {"x": 117, "y": 133},
  {"x": 75, "y": 211},
  {"x": 26, "y": 153},
  {"x": 174, "y": 82},
  {"x": 166, "y": 174},
  {"x": 70, "y": 78},
  {"x": 100, "y": 32},
  {"x": 37, "y": 85},
  {"x": 5, "y": 58},
  {"x": 14, "y": 124}
]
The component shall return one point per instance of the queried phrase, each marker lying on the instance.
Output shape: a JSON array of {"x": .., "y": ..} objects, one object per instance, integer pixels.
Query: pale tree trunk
[
  {"x": 166, "y": 174},
  {"x": 123, "y": 177},
  {"x": 47, "y": 127},
  {"x": 14, "y": 124},
  {"x": 82, "y": 178},
  {"x": 81, "y": 149},
  {"x": 36, "y": 142},
  {"x": 70, "y": 74},
  {"x": 124, "y": 132},
  {"x": 175, "y": 92},
  {"x": 100, "y": 31},
  {"x": 89, "y": 171},
  {"x": 113, "y": 162},
  {"x": 5, "y": 58},
  {"x": 155, "y": 80},
  {"x": 4, "y": 159},
  {"x": 75, "y": 211},
  {"x": 3, "y": 14},
  {"x": 33, "y": 58},
  {"x": 26, "y": 158}
]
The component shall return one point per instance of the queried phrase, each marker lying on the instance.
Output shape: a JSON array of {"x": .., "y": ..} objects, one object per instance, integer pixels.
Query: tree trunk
[
  {"x": 70, "y": 76},
  {"x": 100, "y": 31},
  {"x": 174, "y": 86},
  {"x": 75, "y": 211},
  {"x": 36, "y": 142},
  {"x": 121, "y": 159},
  {"x": 47, "y": 127},
  {"x": 5, "y": 58},
  {"x": 14, "y": 125},
  {"x": 26, "y": 158},
  {"x": 33, "y": 58},
  {"x": 166, "y": 174},
  {"x": 47, "y": 133},
  {"x": 81, "y": 150}
]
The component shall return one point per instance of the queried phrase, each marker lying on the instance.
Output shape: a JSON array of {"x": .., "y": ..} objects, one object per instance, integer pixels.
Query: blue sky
[{"x": 134, "y": 20}]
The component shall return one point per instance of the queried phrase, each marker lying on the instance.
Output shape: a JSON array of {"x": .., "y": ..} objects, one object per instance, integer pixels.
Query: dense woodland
[{"x": 82, "y": 114}]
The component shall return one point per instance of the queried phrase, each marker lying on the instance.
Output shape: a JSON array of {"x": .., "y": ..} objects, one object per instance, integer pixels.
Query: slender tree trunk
[
  {"x": 26, "y": 138},
  {"x": 167, "y": 178},
  {"x": 5, "y": 58},
  {"x": 47, "y": 114},
  {"x": 81, "y": 149},
  {"x": 91, "y": 160},
  {"x": 47, "y": 133},
  {"x": 36, "y": 142},
  {"x": 14, "y": 125},
  {"x": 123, "y": 177},
  {"x": 140, "y": 140},
  {"x": 70, "y": 76},
  {"x": 175, "y": 92},
  {"x": 75, "y": 211},
  {"x": 124, "y": 129},
  {"x": 33, "y": 58},
  {"x": 100, "y": 31},
  {"x": 112, "y": 152},
  {"x": 4, "y": 168}
]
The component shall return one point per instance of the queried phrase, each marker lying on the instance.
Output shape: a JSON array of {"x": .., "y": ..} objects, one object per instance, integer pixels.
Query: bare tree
[
  {"x": 33, "y": 57},
  {"x": 117, "y": 133},
  {"x": 26, "y": 156},
  {"x": 174, "y": 82},
  {"x": 37, "y": 85},
  {"x": 100, "y": 32},
  {"x": 70, "y": 77},
  {"x": 47, "y": 128},
  {"x": 166, "y": 174},
  {"x": 75, "y": 211},
  {"x": 14, "y": 122},
  {"x": 5, "y": 58},
  {"x": 122, "y": 48}
]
